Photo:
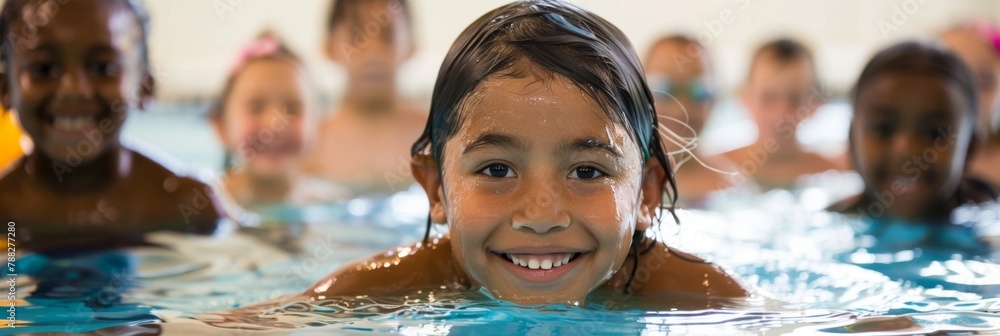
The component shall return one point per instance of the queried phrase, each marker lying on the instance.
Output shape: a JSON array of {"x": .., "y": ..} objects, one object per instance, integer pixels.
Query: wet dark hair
[
  {"x": 12, "y": 12},
  {"x": 248, "y": 56},
  {"x": 560, "y": 39},
  {"x": 925, "y": 59},
  {"x": 784, "y": 51},
  {"x": 340, "y": 12}
]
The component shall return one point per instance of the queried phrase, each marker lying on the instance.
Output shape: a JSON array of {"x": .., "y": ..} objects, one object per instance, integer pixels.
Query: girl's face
[
  {"x": 73, "y": 79},
  {"x": 910, "y": 138},
  {"x": 541, "y": 191},
  {"x": 266, "y": 119}
]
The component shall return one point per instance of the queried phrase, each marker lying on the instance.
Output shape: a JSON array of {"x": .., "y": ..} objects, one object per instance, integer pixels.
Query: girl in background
[
  {"x": 911, "y": 140},
  {"x": 265, "y": 119},
  {"x": 73, "y": 83}
]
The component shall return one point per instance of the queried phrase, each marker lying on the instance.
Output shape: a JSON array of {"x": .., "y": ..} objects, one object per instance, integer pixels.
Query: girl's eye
[
  {"x": 585, "y": 173},
  {"x": 105, "y": 69},
  {"x": 293, "y": 109},
  {"x": 934, "y": 132},
  {"x": 883, "y": 129},
  {"x": 257, "y": 107},
  {"x": 498, "y": 170},
  {"x": 44, "y": 70}
]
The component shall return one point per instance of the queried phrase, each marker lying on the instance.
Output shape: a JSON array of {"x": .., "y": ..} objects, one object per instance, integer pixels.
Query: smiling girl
[
  {"x": 72, "y": 80},
  {"x": 542, "y": 155}
]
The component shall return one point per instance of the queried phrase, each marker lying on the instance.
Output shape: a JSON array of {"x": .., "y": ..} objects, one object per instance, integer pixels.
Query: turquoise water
[{"x": 818, "y": 274}]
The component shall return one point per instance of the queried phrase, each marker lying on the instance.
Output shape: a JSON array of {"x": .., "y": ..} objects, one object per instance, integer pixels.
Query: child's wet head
[
  {"x": 914, "y": 110},
  {"x": 781, "y": 81},
  {"x": 267, "y": 108},
  {"x": 679, "y": 73},
  {"x": 371, "y": 38},
  {"x": 73, "y": 70},
  {"x": 542, "y": 152}
]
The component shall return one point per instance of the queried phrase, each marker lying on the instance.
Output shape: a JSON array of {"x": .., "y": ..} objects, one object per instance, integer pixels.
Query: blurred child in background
[
  {"x": 915, "y": 109},
  {"x": 679, "y": 73},
  {"x": 265, "y": 119},
  {"x": 72, "y": 83},
  {"x": 781, "y": 91},
  {"x": 978, "y": 45},
  {"x": 364, "y": 142}
]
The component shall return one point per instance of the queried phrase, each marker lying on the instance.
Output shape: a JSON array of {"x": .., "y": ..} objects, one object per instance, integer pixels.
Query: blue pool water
[{"x": 817, "y": 272}]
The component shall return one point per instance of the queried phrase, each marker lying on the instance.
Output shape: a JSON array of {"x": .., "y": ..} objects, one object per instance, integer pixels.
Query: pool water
[
  {"x": 813, "y": 274},
  {"x": 817, "y": 273}
]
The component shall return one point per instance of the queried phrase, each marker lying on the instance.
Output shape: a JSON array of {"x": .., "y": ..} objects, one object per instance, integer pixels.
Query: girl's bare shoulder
[
  {"x": 396, "y": 270},
  {"x": 664, "y": 269}
]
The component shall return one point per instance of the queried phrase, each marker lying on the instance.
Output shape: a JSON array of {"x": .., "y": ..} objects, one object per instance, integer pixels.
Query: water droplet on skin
[{"x": 170, "y": 184}]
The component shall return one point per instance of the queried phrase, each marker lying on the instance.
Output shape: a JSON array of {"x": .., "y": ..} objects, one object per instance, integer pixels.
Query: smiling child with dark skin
[
  {"x": 912, "y": 135},
  {"x": 547, "y": 173},
  {"x": 72, "y": 84}
]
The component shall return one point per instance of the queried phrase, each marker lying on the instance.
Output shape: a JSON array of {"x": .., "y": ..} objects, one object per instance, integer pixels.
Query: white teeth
[
  {"x": 540, "y": 261},
  {"x": 72, "y": 123}
]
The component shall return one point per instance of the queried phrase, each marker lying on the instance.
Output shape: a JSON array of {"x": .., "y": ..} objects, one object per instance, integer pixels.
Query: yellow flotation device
[{"x": 10, "y": 139}]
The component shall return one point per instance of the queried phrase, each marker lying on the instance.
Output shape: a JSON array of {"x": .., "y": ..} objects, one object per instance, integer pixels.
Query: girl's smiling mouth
[
  {"x": 71, "y": 125},
  {"x": 538, "y": 265}
]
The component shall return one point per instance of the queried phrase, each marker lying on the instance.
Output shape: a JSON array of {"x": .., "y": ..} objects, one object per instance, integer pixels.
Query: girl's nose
[
  {"x": 542, "y": 211},
  {"x": 539, "y": 225},
  {"x": 906, "y": 145},
  {"x": 74, "y": 84}
]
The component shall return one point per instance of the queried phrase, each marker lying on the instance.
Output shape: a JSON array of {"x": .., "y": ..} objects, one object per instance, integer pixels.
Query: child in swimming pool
[
  {"x": 265, "y": 119},
  {"x": 72, "y": 82},
  {"x": 364, "y": 143},
  {"x": 781, "y": 91},
  {"x": 977, "y": 43},
  {"x": 915, "y": 110},
  {"x": 680, "y": 76},
  {"x": 543, "y": 155}
]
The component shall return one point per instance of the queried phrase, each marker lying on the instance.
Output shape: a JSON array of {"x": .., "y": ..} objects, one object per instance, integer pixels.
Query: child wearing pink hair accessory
[
  {"x": 977, "y": 43},
  {"x": 265, "y": 120}
]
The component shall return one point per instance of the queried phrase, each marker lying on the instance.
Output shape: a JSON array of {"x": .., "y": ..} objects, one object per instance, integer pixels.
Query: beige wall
[{"x": 194, "y": 41}]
